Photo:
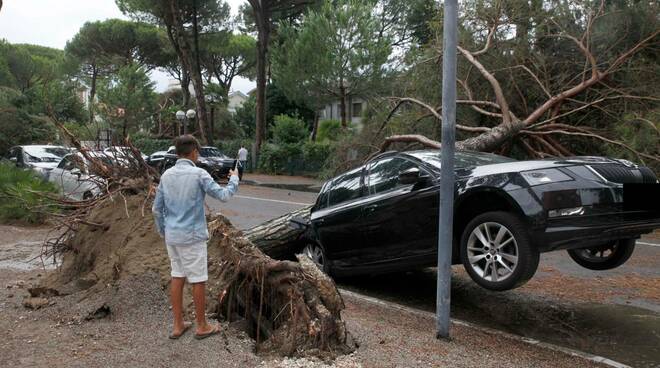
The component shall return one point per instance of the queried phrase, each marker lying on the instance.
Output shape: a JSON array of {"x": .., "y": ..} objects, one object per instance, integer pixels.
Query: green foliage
[
  {"x": 307, "y": 158},
  {"x": 329, "y": 130},
  {"x": 245, "y": 117},
  {"x": 350, "y": 60},
  {"x": 278, "y": 103},
  {"x": 230, "y": 147},
  {"x": 289, "y": 130},
  {"x": 148, "y": 145},
  {"x": 19, "y": 128},
  {"x": 128, "y": 99},
  {"x": 316, "y": 154},
  {"x": 21, "y": 192},
  {"x": 225, "y": 55}
]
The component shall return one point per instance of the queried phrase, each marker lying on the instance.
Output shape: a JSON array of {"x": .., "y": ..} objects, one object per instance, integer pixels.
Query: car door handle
[{"x": 370, "y": 208}]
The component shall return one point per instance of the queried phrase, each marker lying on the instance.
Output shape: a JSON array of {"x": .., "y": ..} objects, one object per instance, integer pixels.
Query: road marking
[
  {"x": 273, "y": 200},
  {"x": 649, "y": 244}
]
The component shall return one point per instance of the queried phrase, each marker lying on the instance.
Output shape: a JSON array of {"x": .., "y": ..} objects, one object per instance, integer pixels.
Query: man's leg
[
  {"x": 199, "y": 298},
  {"x": 176, "y": 297}
]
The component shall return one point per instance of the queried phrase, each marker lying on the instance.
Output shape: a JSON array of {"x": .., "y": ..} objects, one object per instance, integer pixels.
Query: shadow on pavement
[{"x": 629, "y": 335}]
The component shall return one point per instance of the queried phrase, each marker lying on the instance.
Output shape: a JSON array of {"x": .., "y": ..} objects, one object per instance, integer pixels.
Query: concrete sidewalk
[{"x": 298, "y": 183}]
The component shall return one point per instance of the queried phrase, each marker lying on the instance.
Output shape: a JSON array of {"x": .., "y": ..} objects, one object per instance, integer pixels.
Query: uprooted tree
[
  {"x": 536, "y": 74},
  {"x": 291, "y": 308}
]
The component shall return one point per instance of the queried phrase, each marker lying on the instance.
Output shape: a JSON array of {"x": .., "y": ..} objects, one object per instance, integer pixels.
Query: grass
[{"x": 22, "y": 195}]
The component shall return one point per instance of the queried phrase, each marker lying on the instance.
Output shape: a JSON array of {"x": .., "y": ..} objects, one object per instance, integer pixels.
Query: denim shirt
[{"x": 179, "y": 205}]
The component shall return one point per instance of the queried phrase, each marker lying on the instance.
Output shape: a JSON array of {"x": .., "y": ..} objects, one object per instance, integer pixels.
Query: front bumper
[{"x": 595, "y": 229}]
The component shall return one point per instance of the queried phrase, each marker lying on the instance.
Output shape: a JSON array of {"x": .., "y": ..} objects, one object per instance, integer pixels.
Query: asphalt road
[{"x": 615, "y": 313}]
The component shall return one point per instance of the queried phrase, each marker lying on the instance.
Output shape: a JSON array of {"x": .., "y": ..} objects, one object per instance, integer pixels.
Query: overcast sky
[{"x": 53, "y": 22}]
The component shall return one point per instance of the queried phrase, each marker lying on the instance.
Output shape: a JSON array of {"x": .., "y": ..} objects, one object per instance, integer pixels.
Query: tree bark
[
  {"x": 315, "y": 125},
  {"x": 342, "y": 106},
  {"x": 279, "y": 238},
  {"x": 92, "y": 94},
  {"x": 262, "y": 54},
  {"x": 185, "y": 87}
]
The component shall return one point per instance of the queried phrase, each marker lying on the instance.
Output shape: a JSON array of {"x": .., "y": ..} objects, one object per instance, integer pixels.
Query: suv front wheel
[{"x": 496, "y": 251}]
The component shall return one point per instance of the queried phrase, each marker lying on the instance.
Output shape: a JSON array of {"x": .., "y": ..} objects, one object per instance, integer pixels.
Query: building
[
  {"x": 236, "y": 100},
  {"x": 354, "y": 105}
]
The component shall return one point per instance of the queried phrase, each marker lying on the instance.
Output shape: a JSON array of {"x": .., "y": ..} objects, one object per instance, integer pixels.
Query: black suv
[
  {"x": 210, "y": 159},
  {"x": 383, "y": 216}
]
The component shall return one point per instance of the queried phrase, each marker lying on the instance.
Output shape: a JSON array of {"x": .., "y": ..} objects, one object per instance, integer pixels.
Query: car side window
[
  {"x": 384, "y": 174},
  {"x": 346, "y": 187}
]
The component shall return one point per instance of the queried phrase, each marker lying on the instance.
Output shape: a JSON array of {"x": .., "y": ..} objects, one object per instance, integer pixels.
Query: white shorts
[{"x": 189, "y": 261}]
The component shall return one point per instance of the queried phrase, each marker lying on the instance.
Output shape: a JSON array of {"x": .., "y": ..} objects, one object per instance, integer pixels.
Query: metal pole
[{"x": 446, "y": 220}]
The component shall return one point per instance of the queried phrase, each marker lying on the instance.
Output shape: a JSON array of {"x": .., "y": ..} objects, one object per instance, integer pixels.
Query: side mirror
[
  {"x": 414, "y": 177},
  {"x": 76, "y": 171}
]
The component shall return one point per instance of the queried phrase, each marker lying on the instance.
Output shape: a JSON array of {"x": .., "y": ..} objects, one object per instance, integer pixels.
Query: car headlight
[{"x": 544, "y": 176}]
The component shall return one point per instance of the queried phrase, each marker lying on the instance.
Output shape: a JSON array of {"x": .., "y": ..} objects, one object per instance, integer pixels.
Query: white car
[
  {"x": 120, "y": 152},
  {"x": 75, "y": 177},
  {"x": 38, "y": 158}
]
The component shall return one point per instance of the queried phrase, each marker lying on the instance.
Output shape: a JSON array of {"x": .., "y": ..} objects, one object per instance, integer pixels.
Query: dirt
[{"x": 112, "y": 310}]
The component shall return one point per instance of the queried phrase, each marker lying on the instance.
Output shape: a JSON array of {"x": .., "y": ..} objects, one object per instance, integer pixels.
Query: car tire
[
  {"x": 617, "y": 254},
  {"x": 316, "y": 253},
  {"x": 506, "y": 260}
]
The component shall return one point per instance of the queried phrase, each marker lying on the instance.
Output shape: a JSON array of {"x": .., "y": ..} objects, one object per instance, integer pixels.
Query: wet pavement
[{"x": 613, "y": 313}]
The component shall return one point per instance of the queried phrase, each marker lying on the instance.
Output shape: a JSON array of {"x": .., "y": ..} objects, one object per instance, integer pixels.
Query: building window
[{"x": 357, "y": 110}]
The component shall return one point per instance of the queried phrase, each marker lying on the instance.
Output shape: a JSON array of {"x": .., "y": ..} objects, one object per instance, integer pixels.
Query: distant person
[
  {"x": 242, "y": 158},
  {"x": 179, "y": 217}
]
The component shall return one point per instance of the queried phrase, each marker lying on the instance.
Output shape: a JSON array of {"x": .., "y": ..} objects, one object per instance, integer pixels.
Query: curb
[
  {"x": 530, "y": 341},
  {"x": 312, "y": 188}
]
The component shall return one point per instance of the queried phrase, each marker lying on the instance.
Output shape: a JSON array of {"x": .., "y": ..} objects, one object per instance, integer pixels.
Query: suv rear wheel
[
  {"x": 604, "y": 257},
  {"x": 496, "y": 251}
]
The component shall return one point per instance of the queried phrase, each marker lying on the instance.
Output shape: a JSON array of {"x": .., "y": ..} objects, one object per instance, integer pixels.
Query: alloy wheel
[
  {"x": 492, "y": 251},
  {"x": 315, "y": 253}
]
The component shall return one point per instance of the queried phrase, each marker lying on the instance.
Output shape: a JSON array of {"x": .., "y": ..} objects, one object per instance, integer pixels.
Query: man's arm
[
  {"x": 212, "y": 188},
  {"x": 158, "y": 211}
]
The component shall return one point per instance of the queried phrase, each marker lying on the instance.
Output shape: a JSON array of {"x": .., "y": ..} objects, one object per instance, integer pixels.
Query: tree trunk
[
  {"x": 92, "y": 94},
  {"x": 185, "y": 87},
  {"x": 279, "y": 238},
  {"x": 342, "y": 106},
  {"x": 315, "y": 125},
  {"x": 262, "y": 54}
]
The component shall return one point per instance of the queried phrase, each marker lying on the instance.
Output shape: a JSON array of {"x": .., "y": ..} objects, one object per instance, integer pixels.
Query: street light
[{"x": 183, "y": 117}]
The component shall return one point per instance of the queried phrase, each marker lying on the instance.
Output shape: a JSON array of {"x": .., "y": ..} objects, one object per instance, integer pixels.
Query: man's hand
[{"x": 233, "y": 172}]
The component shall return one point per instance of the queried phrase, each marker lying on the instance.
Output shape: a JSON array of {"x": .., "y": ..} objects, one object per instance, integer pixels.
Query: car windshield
[
  {"x": 45, "y": 154},
  {"x": 463, "y": 158},
  {"x": 211, "y": 152}
]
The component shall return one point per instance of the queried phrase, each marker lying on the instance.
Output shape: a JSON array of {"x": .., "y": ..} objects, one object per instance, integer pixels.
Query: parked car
[
  {"x": 155, "y": 159},
  {"x": 210, "y": 159},
  {"x": 39, "y": 158},
  {"x": 121, "y": 154},
  {"x": 383, "y": 215},
  {"x": 75, "y": 176}
]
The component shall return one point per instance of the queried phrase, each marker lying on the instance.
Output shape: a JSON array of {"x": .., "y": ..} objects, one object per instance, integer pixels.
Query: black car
[
  {"x": 383, "y": 216},
  {"x": 210, "y": 159}
]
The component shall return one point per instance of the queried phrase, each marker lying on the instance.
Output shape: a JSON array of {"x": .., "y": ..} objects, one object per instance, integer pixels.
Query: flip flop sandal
[
  {"x": 215, "y": 331},
  {"x": 186, "y": 327}
]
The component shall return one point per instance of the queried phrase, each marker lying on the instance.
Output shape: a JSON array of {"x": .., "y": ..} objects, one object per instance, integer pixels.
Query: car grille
[{"x": 621, "y": 174}]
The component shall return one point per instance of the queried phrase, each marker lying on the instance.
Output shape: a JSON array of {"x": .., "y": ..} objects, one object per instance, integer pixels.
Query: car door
[
  {"x": 399, "y": 220},
  {"x": 72, "y": 185},
  {"x": 56, "y": 175},
  {"x": 337, "y": 223}
]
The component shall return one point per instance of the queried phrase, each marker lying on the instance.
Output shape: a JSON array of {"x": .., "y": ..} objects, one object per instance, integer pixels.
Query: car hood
[
  {"x": 518, "y": 166},
  {"x": 44, "y": 165}
]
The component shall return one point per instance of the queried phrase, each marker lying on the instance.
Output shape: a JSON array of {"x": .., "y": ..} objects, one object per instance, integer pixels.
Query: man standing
[
  {"x": 242, "y": 157},
  {"x": 179, "y": 217}
]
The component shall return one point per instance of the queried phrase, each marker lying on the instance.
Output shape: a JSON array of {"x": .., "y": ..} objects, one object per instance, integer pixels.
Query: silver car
[{"x": 75, "y": 176}]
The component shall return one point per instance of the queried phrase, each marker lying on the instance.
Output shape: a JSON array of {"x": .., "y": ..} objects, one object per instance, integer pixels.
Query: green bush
[
  {"x": 329, "y": 130},
  {"x": 148, "y": 145},
  {"x": 316, "y": 154},
  {"x": 289, "y": 130},
  {"x": 21, "y": 192},
  {"x": 18, "y": 127},
  {"x": 230, "y": 147}
]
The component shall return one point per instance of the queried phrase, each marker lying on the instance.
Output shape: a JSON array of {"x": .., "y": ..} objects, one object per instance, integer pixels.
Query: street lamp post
[
  {"x": 184, "y": 117},
  {"x": 445, "y": 234}
]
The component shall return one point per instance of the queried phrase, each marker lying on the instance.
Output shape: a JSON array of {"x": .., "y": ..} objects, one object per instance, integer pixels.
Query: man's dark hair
[{"x": 185, "y": 144}]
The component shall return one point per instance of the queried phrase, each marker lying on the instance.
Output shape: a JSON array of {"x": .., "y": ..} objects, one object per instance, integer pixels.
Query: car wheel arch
[{"x": 477, "y": 201}]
